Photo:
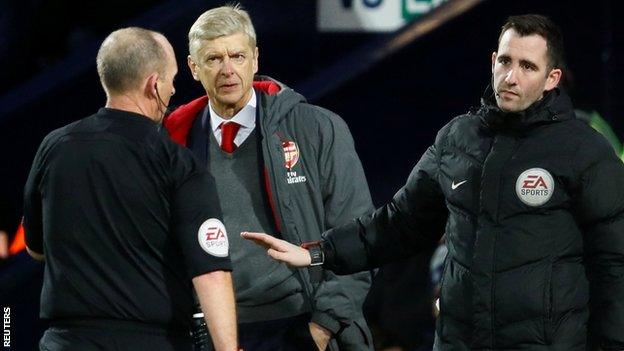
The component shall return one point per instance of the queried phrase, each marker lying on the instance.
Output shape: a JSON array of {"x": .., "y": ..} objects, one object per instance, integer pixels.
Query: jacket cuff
[{"x": 327, "y": 322}]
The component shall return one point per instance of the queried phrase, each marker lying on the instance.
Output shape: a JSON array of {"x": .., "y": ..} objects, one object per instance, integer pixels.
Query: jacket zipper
[
  {"x": 276, "y": 198},
  {"x": 498, "y": 204}
]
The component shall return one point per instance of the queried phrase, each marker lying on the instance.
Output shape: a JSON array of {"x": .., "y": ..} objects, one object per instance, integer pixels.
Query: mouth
[
  {"x": 508, "y": 93},
  {"x": 228, "y": 86}
]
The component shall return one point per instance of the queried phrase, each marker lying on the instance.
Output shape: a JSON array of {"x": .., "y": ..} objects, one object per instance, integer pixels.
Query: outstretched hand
[
  {"x": 281, "y": 250},
  {"x": 4, "y": 245}
]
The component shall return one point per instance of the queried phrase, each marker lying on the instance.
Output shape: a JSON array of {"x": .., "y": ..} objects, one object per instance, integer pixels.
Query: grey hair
[
  {"x": 219, "y": 22},
  {"x": 127, "y": 56}
]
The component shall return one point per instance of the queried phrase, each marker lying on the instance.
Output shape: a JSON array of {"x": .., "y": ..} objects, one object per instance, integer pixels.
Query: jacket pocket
[
  {"x": 355, "y": 337},
  {"x": 521, "y": 294},
  {"x": 441, "y": 300},
  {"x": 455, "y": 300}
]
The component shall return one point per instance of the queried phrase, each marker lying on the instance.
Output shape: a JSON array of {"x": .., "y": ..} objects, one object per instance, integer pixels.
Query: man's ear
[
  {"x": 150, "y": 85},
  {"x": 554, "y": 76},
  {"x": 193, "y": 67},
  {"x": 255, "y": 62},
  {"x": 493, "y": 61}
]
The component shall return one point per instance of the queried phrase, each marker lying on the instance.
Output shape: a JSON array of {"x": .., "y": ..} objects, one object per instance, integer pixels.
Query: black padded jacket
[{"x": 532, "y": 207}]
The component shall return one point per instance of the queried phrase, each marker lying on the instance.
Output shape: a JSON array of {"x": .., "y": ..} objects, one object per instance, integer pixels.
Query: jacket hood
[
  {"x": 275, "y": 107},
  {"x": 554, "y": 106},
  {"x": 274, "y": 98}
]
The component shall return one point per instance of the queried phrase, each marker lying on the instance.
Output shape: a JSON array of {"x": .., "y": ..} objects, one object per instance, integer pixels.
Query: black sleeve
[
  {"x": 197, "y": 223},
  {"x": 600, "y": 202},
  {"x": 413, "y": 221},
  {"x": 33, "y": 220}
]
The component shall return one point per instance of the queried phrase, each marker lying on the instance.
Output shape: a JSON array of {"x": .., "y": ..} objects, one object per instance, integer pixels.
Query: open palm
[{"x": 281, "y": 250}]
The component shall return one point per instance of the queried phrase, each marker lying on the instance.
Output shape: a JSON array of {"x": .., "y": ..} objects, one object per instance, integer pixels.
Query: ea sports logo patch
[
  {"x": 291, "y": 153},
  {"x": 213, "y": 238},
  {"x": 535, "y": 186}
]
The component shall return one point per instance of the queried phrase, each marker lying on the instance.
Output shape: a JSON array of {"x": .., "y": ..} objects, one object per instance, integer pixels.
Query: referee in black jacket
[{"x": 125, "y": 219}]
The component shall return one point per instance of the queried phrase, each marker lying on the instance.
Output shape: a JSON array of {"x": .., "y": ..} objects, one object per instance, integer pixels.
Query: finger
[
  {"x": 261, "y": 237},
  {"x": 258, "y": 238},
  {"x": 267, "y": 241},
  {"x": 277, "y": 255},
  {"x": 259, "y": 242}
]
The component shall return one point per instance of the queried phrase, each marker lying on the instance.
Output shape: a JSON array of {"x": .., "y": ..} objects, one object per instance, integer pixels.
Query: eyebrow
[
  {"x": 218, "y": 52},
  {"x": 522, "y": 61},
  {"x": 530, "y": 64},
  {"x": 210, "y": 54},
  {"x": 237, "y": 52}
]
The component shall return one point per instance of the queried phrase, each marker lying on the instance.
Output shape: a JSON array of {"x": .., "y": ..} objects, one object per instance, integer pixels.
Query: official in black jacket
[
  {"x": 126, "y": 219},
  {"x": 531, "y": 201}
]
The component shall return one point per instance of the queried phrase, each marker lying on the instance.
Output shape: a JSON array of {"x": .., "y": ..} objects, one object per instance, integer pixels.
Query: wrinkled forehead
[{"x": 237, "y": 42}]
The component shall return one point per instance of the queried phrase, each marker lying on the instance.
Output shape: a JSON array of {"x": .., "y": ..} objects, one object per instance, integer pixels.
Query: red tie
[{"x": 228, "y": 133}]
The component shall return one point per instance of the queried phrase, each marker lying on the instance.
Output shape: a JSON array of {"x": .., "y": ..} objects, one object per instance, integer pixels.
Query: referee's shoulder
[{"x": 53, "y": 137}]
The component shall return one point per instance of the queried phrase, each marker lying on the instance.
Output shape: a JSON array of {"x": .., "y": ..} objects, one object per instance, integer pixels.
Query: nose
[
  {"x": 511, "y": 78},
  {"x": 226, "y": 66}
]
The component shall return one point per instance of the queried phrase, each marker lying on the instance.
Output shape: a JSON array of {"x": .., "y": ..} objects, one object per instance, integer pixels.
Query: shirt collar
[{"x": 246, "y": 117}]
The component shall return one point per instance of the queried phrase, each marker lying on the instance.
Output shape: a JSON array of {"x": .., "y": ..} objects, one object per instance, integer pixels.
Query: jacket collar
[
  {"x": 554, "y": 107},
  {"x": 180, "y": 121}
]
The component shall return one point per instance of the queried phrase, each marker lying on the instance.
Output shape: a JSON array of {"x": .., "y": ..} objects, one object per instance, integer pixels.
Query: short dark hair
[{"x": 541, "y": 25}]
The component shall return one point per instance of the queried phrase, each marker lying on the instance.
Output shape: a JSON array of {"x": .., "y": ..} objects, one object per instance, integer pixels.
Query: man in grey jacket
[{"x": 281, "y": 166}]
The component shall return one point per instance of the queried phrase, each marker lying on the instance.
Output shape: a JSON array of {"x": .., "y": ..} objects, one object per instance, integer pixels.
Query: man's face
[
  {"x": 226, "y": 67},
  {"x": 165, "y": 88},
  {"x": 165, "y": 84},
  {"x": 520, "y": 71}
]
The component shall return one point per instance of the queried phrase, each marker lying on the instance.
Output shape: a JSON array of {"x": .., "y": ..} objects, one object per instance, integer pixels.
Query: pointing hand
[{"x": 281, "y": 250}]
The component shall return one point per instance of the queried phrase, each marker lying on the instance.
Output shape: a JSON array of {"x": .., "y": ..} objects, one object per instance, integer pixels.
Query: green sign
[{"x": 412, "y": 9}]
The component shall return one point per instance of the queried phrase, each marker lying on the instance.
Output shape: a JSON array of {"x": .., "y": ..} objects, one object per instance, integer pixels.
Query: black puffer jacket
[{"x": 532, "y": 207}]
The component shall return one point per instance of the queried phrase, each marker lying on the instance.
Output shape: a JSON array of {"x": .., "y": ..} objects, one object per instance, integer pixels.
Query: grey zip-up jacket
[{"x": 314, "y": 181}]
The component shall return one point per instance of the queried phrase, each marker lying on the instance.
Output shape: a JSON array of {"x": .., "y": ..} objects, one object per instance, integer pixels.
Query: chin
[
  {"x": 229, "y": 99},
  {"x": 509, "y": 108}
]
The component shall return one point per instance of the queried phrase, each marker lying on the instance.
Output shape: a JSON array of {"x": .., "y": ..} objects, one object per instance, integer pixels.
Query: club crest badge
[
  {"x": 535, "y": 186},
  {"x": 291, "y": 153},
  {"x": 213, "y": 238}
]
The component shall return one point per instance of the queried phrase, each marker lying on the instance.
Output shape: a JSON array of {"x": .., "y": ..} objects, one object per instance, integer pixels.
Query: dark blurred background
[{"x": 394, "y": 103}]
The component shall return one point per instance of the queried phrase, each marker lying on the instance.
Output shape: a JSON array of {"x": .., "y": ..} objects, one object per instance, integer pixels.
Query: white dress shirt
[{"x": 246, "y": 117}]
